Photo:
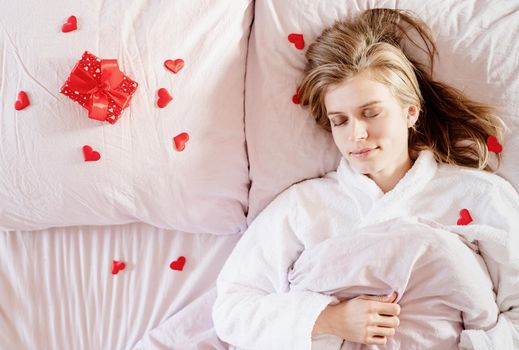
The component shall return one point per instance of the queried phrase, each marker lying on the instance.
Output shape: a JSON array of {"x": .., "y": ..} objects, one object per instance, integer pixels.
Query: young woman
[{"x": 412, "y": 148}]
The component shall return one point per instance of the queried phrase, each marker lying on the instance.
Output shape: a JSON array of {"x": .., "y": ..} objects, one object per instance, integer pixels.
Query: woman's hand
[{"x": 365, "y": 319}]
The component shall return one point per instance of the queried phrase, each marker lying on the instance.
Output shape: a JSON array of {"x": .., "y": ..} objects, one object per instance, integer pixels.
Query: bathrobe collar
[{"x": 369, "y": 198}]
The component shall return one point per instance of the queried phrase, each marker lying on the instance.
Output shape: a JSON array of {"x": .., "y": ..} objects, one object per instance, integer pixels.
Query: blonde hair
[{"x": 454, "y": 127}]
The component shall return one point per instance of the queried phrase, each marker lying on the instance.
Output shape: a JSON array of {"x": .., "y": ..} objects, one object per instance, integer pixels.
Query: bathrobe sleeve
[
  {"x": 254, "y": 308},
  {"x": 499, "y": 248}
]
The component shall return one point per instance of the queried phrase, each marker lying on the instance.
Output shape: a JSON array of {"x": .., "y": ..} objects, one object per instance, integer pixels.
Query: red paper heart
[
  {"x": 70, "y": 25},
  {"x": 297, "y": 40},
  {"x": 164, "y": 98},
  {"x": 180, "y": 141},
  {"x": 295, "y": 98},
  {"x": 465, "y": 217},
  {"x": 117, "y": 266},
  {"x": 22, "y": 101},
  {"x": 178, "y": 264},
  {"x": 494, "y": 145},
  {"x": 90, "y": 155},
  {"x": 174, "y": 65}
]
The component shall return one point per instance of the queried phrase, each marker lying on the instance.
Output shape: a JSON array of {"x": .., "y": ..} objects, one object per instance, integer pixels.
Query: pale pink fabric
[{"x": 442, "y": 283}]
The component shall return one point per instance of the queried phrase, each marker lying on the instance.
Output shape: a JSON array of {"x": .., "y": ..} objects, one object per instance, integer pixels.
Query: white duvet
[{"x": 442, "y": 282}]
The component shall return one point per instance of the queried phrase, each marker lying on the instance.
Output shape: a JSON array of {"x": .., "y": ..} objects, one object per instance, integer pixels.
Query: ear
[{"x": 412, "y": 115}]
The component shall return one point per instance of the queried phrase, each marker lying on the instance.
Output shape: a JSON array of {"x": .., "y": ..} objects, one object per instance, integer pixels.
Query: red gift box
[{"x": 100, "y": 87}]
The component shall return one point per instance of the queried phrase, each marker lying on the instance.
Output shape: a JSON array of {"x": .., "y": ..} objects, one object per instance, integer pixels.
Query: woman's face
[{"x": 370, "y": 126}]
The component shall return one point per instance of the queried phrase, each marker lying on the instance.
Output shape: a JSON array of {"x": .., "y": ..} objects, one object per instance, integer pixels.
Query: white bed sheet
[{"x": 57, "y": 290}]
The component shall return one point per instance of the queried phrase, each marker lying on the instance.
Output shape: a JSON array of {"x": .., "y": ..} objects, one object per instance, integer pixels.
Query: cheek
[
  {"x": 395, "y": 132},
  {"x": 339, "y": 138}
]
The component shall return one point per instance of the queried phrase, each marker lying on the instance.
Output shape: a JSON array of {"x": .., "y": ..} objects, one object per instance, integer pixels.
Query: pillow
[
  {"x": 141, "y": 174},
  {"x": 477, "y": 53}
]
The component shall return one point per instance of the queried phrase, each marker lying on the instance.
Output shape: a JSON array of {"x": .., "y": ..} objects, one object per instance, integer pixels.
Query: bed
[{"x": 120, "y": 249}]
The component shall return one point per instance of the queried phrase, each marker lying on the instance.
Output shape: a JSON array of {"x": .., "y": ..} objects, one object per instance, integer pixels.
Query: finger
[
  {"x": 382, "y": 331},
  {"x": 388, "y": 321},
  {"x": 387, "y": 309},
  {"x": 376, "y": 340},
  {"x": 379, "y": 298}
]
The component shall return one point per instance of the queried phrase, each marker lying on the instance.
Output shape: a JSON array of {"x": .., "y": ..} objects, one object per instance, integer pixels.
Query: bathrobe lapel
[{"x": 375, "y": 206}]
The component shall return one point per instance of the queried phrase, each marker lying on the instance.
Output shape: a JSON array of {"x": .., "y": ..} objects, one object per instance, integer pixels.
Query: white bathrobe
[{"x": 255, "y": 307}]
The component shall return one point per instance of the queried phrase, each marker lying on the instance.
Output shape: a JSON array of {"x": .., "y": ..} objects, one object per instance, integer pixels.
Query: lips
[{"x": 362, "y": 152}]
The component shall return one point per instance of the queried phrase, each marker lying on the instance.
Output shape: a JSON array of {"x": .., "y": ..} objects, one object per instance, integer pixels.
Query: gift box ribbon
[{"x": 102, "y": 90}]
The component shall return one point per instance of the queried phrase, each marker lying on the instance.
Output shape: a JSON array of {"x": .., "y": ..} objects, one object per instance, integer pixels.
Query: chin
[{"x": 365, "y": 169}]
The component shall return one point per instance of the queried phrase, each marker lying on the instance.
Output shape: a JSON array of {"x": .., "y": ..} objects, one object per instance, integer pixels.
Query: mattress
[{"x": 58, "y": 291}]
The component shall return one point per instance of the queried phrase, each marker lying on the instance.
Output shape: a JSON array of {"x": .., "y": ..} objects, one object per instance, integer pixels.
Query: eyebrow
[{"x": 363, "y": 106}]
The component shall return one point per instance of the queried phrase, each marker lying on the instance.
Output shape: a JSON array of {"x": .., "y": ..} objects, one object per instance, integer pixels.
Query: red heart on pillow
[
  {"x": 174, "y": 65},
  {"x": 117, "y": 266},
  {"x": 297, "y": 40},
  {"x": 295, "y": 98},
  {"x": 164, "y": 98},
  {"x": 465, "y": 217},
  {"x": 70, "y": 25},
  {"x": 90, "y": 155},
  {"x": 178, "y": 264},
  {"x": 22, "y": 101},
  {"x": 494, "y": 145},
  {"x": 180, "y": 141}
]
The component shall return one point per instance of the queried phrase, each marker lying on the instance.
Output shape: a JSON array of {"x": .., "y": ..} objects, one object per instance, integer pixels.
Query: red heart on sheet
[
  {"x": 494, "y": 145},
  {"x": 178, "y": 264},
  {"x": 295, "y": 98},
  {"x": 180, "y": 141},
  {"x": 297, "y": 40},
  {"x": 174, "y": 65},
  {"x": 465, "y": 217},
  {"x": 90, "y": 155},
  {"x": 117, "y": 266},
  {"x": 164, "y": 98},
  {"x": 70, "y": 25},
  {"x": 22, "y": 101}
]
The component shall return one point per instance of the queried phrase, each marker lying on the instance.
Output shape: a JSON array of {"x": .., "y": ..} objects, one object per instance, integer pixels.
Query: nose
[{"x": 358, "y": 130}]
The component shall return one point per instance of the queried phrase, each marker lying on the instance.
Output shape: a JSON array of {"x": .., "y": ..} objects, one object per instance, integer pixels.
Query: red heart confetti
[
  {"x": 297, "y": 40},
  {"x": 174, "y": 65},
  {"x": 90, "y": 155},
  {"x": 117, "y": 266},
  {"x": 70, "y": 25},
  {"x": 178, "y": 264},
  {"x": 295, "y": 98},
  {"x": 22, "y": 101},
  {"x": 494, "y": 145},
  {"x": 164, "y": 98},
  {"x": 180, "y": 141},
  {"x": 465, "y": 217}
]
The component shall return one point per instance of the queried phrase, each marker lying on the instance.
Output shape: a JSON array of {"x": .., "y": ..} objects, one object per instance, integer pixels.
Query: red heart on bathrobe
[
  {"x": 180, "y": 141},
  {"x": 465, "y": 217},
  {"x": 494, "y": 145},
  {"x": 164, "y": 98},
  {"x": 178, "y": 264},
  {"x": 297, "y": 40},
  {"x": 90, "y": 155},
  {"x": 117, "y": 266},
  {"x": 70, "y": 25},
  {"x": 22, "y": 101},
  {"x": 174, "y": 65}
]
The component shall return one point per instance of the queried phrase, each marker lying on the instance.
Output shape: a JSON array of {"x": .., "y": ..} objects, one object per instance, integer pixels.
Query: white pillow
[
  {"x": 477, "y": 43},
  {"x": 44, "y": 180}
]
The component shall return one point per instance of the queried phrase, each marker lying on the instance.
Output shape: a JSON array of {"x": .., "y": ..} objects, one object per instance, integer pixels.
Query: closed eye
[
  {"x": 371, "y": 114},
  {"x": 338, "y": 121}
]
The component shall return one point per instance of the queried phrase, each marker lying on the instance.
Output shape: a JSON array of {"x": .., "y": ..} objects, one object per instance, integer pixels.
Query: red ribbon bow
[{"x": 102, "y": 90}]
